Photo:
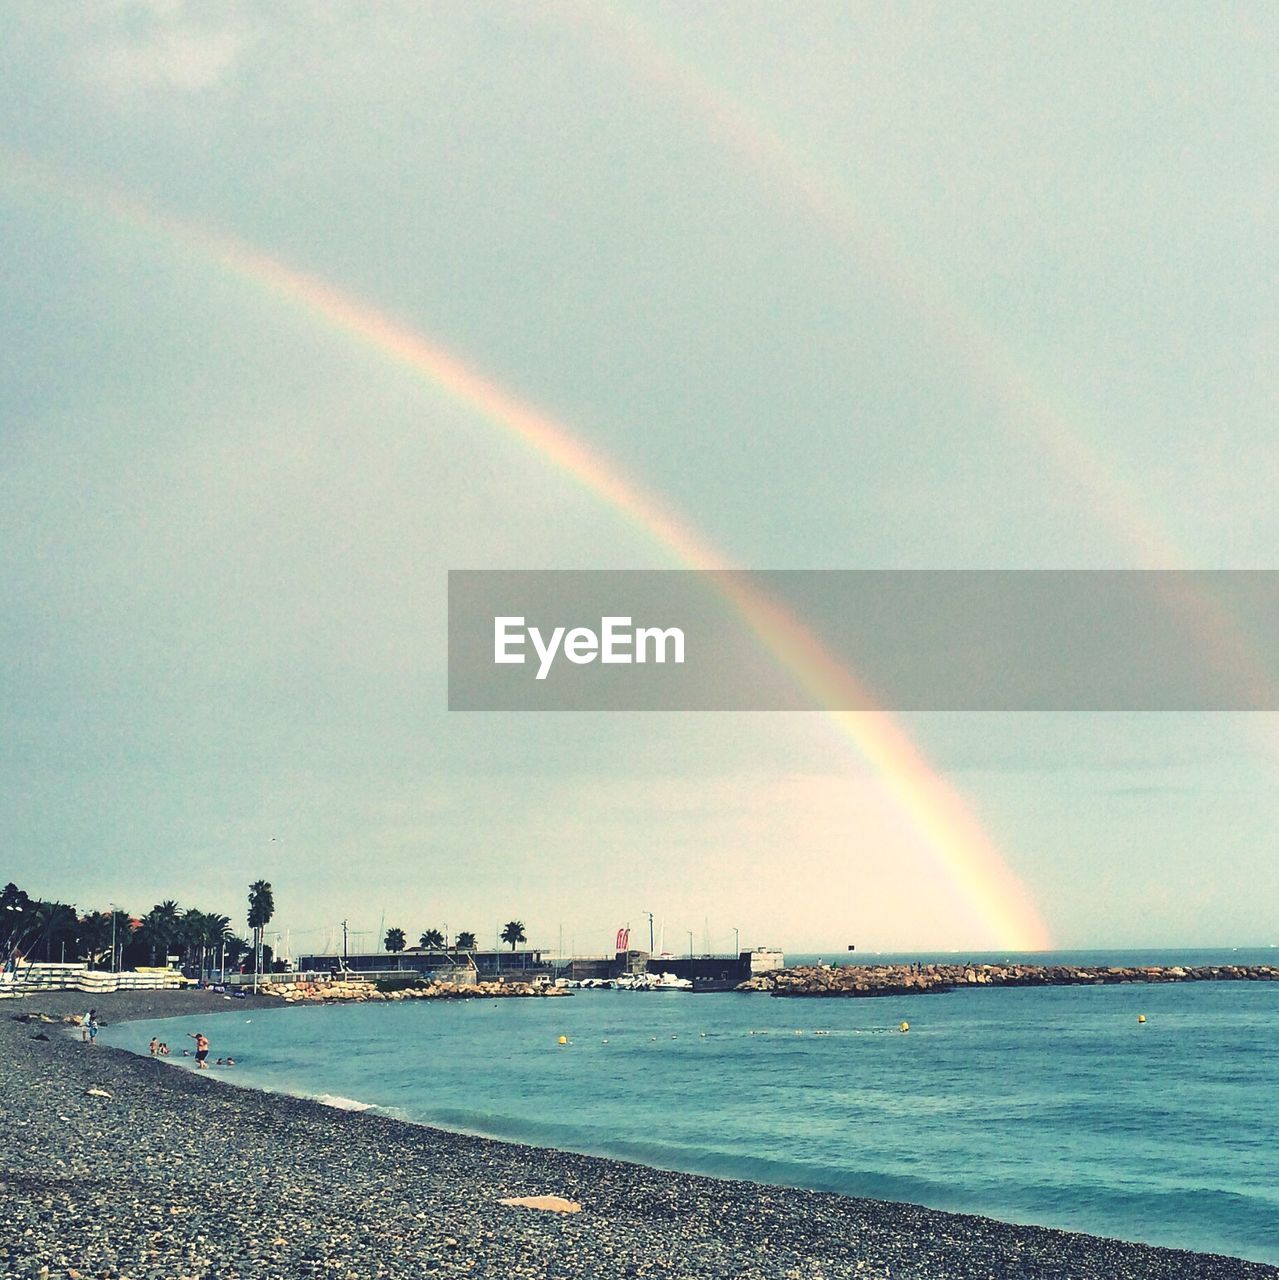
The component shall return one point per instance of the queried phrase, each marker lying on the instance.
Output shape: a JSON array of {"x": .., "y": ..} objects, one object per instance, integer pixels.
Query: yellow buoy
[
  {"x": 1141, "y": 1017},
  {"x": 563, "y": 1039},
  {"x": 905, "y": 1026}
]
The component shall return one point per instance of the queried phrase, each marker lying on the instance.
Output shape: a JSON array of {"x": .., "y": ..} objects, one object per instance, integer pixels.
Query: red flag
[{"x": 623, "y": 939}]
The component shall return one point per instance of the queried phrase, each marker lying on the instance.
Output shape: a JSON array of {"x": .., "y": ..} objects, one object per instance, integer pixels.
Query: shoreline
[{"x": 175, "y": 1174}]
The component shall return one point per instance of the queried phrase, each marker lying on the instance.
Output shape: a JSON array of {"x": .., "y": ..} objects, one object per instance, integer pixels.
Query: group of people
[{"x": 161, "y": 1050}]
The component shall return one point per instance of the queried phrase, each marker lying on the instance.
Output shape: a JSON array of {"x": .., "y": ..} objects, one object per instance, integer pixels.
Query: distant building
[
  {"x": 488, "y": 964},
  {"x": 707, "y": 972}
]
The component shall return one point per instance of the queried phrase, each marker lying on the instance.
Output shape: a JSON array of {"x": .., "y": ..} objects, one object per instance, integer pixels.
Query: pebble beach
[{"x": 116, "y": 1165}]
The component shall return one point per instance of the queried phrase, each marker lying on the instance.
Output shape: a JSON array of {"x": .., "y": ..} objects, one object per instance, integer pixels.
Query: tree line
[
  {"x": 434, "y": 939},
  {"x": 39, "y": 929}
]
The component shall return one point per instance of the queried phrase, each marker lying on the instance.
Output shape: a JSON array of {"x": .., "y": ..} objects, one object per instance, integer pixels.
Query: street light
[
  {"x": 737, "y": 941},
  {"x": 690, "y": 943},
  {"x": 114, "y": 911}
]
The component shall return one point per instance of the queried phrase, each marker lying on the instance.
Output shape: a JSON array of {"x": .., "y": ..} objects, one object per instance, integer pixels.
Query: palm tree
[
  {"x": 216, "y": 929},
  {"x": 514, "y": 932},
  {"x": 236, "y": 949},
  {"x": 160, "y": 927},
  {"x": 395, "y": 940},
  {"x": 190, "y": 937},
  {"x": 432, "y": 940},
  {"x": 261, "y": 909},
  {"x": 466, "y": 941},
  {"x": 95, "y": 936},
  {"x": 56, "y": 924}
]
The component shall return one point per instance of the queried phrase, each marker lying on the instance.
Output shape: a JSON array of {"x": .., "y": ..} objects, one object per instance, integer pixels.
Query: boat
[{"x": 653, "y": 982}]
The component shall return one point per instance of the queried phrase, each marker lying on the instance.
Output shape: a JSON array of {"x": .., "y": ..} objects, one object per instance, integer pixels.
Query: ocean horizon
[{"x": 1047, "y": 1106}]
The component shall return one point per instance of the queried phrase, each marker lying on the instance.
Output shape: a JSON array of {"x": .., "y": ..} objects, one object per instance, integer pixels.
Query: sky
[{"x": 833, "y": 285}]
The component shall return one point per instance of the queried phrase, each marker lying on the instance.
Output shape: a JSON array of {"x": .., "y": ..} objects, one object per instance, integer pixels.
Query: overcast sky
[{"x": 843, "y": 285}]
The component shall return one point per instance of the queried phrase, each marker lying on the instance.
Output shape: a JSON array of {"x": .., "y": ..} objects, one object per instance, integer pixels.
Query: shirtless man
[{"x": 201, "y": 1048}]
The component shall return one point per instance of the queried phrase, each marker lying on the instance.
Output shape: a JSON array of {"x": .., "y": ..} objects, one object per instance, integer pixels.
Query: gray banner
[{"x": 925, "y": 640}]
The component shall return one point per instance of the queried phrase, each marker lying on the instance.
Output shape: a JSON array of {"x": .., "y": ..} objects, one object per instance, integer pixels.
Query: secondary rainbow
[{"x": 980, "y": 352}]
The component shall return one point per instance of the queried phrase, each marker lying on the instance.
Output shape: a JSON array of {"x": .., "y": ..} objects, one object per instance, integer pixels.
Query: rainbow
[{"x": 987, "y": 886}]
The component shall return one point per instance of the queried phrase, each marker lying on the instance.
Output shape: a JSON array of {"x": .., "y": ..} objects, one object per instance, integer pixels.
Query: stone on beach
[{"x": 554, "y": 1204}]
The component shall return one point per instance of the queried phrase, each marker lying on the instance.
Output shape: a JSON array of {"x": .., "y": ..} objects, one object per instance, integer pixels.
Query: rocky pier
[
  {"x": 923, "y": 979},
  {"x": 348, "y": 992}
]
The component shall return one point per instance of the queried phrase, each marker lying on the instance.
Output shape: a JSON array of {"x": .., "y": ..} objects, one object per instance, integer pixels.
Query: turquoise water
[{"x": 1050, "y": 1106}]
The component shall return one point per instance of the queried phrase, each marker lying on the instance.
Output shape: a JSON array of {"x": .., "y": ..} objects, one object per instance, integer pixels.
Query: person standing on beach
[
  {"x": 84, "y": 1025},
  {"x": 201, "y": 1048}
]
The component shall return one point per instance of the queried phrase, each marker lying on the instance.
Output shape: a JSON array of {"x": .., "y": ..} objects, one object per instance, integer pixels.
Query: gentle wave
[{"x": 337, "y": 1101}]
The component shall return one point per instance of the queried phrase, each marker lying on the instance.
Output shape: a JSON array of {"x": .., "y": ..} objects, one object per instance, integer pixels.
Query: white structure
[
  {"x": 764, "y": 960},
  {"x": 28, "y": 978}
]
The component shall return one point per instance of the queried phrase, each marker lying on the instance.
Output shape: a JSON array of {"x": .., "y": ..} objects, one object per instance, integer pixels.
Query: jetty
[
  {"x": 356, "y": 992},
  {"x": 925, "y": 979}
]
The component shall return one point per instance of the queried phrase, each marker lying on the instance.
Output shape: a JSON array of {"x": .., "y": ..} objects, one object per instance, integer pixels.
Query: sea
[{"x": 1053, "y": 1106}]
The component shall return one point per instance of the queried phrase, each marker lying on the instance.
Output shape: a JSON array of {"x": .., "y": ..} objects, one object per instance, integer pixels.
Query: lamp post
[
  {"x": 114, "y": 910},
  {"x": 690, "y": 944},
  {"x": 12, "y": 939},
  {"x": 737, "y": 941}
]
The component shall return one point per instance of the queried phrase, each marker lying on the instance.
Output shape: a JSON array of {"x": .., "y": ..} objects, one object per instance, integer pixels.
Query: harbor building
[{"x": 521, "y": 965}]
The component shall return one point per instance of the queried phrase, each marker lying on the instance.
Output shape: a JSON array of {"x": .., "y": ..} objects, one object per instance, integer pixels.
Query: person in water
[
  {"x": 155, "y": 1046},
  {"x": 201, "y": 1048}
]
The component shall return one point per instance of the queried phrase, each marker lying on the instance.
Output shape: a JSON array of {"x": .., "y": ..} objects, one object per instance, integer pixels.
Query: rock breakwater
[
  {"x": 923, "y": 979},
  {"x": 363, "y": 992}
]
